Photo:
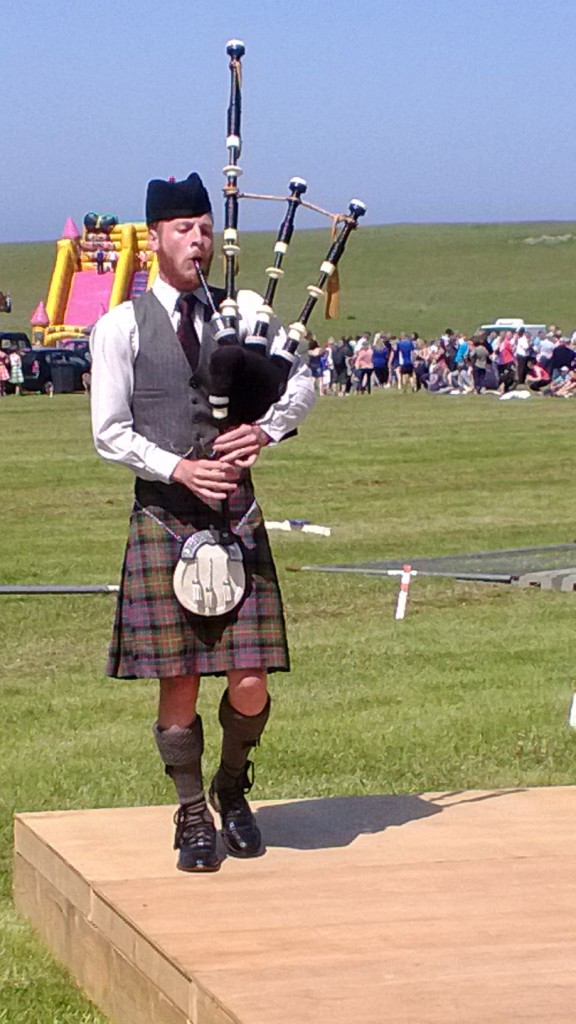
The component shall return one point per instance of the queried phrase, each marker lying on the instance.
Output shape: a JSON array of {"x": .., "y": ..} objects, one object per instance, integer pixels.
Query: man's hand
[
  {"x": 240, "y": 447},
  {"x": 207, "y": 479}
]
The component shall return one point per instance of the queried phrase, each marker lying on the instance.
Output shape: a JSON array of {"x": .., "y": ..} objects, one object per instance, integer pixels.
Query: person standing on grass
[
  {"x": 406, "y": 348},
  {"x": 364, "y": 366},
  {"x": 546, "y": 351},
  {"x": 506, "y": 363},
  {"x": 381, "y": 355},
  {"x": 394, "y": 363},
  {"x": 335, "y": 352},
  {"x": 449, "y": 345},
  {"x": 4, "y": 371},
  {"x": 16, "y": 374},
  {"x": 461, "y": 352},
  {"x": 341, "y": 353},
  {"x": 523, "y": 350},
  {"x": 563, "y": 355},
  {"x": 460, "y": 376},
  {"x": 479, "y": 357},
  {"x": 327, "y": 364},
  {"x": 315, "y": 364},
  {"x": 150, "y": 412}
]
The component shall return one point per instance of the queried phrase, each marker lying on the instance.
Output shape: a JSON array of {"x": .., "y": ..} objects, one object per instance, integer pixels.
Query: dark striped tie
[{"x": 186, "y": 332}]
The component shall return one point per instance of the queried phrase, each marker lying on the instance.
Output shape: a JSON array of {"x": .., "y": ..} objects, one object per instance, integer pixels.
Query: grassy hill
[{"x": 396, "y": 277}]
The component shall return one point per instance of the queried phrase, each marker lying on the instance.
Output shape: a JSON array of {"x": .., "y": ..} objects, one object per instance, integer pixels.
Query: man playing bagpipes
[{"x": 184, "y": 610}]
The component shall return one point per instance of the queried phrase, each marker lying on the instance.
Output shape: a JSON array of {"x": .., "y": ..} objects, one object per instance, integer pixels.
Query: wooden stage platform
[{"x": 451, "y": 908}]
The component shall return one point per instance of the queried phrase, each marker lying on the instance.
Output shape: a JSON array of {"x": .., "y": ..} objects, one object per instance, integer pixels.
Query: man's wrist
[
  {"x": 177, "y": 474},
  {"x": 262, "y": 437}
]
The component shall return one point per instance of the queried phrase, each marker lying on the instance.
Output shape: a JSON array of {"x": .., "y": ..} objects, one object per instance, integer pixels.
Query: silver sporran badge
[{"x": 209, "y": 578}]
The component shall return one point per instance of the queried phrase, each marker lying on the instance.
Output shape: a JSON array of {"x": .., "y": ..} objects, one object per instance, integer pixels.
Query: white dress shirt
[{"x": 114, "y": 347}]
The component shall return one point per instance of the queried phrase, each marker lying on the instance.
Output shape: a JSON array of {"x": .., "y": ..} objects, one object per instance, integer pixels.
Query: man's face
[{"x": 177, "y": 244}]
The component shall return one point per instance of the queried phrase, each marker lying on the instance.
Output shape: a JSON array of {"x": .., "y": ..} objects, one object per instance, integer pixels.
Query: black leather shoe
[
  {"x": 196, "y": 839},
  {"x": 241, "y": 835}
]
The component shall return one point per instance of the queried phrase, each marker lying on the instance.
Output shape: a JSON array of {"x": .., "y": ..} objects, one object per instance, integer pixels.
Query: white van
[{"x": 513, "y": 324}]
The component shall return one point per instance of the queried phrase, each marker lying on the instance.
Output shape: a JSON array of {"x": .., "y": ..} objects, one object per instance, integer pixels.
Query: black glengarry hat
[{"x": 166, "y": 200}]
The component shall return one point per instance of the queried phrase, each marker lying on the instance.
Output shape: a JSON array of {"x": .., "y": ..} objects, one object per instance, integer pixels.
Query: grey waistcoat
[{"x": 169, "y": 401}]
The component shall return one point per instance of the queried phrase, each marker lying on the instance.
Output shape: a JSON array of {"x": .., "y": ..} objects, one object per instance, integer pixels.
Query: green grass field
[
  {"x": 471, "y": 690},
  {"x": 400, "y": 277}
]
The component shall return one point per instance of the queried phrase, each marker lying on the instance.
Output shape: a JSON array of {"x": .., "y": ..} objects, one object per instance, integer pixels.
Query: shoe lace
[{"x": 193, "y": 825}]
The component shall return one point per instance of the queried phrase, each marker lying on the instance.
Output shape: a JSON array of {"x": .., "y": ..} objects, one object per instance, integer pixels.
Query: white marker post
[
  {"x": 572, "y": 713},
  {"x": 298, "y": 527},
  {"x": 405, "y": 578}
]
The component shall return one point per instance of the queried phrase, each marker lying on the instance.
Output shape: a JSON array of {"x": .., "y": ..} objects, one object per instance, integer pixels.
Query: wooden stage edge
[{"x": 437, "y": 908}]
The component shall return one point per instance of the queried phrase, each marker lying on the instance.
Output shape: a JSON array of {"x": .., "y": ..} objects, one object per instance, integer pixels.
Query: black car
[
  {"x": 60, "y": 368},
  {"x": 79, "y": 345},
  {"x": 14, "y": 339}
]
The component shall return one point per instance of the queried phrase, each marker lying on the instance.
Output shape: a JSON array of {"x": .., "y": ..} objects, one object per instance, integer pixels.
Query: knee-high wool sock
[
  {"x": 181, "y": 751},
  {"x": 240, "y": 734}
]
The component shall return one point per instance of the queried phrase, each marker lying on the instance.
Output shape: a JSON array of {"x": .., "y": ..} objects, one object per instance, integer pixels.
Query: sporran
[{"x": 210, "y": 578}]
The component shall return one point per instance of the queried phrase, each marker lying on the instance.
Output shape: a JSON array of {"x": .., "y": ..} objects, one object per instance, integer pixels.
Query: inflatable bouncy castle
[{"x": 94, "y": 269}]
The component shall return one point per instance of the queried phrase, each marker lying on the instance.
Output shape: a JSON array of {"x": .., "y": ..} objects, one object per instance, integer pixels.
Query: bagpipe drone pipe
[{"x": 248, "y": 376}]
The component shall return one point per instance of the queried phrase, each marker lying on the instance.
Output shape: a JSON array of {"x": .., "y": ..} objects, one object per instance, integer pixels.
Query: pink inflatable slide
[{"x": 89, "y": 297}]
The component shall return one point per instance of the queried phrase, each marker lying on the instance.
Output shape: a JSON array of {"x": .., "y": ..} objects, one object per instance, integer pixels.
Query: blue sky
[{"x": 429, "y": 110}]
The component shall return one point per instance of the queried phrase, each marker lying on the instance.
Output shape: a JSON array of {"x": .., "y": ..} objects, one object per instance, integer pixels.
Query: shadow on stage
[{"x": 323, "y": 823}]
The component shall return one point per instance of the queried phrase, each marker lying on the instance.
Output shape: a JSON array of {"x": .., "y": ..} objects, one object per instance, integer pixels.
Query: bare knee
[
  {"x": 247, "y": 690},
  {"x": 177, "y": 703}
]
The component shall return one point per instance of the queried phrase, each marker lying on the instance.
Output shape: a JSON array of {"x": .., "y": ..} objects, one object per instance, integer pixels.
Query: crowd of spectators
[{"x": 497, "y": 361}]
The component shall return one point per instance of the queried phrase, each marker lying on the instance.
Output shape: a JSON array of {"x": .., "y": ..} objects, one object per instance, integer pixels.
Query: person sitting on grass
[
  {"x": 439, "y": 379},
  {"x": 421, "y": 373},
  {"x": 559, "y": 382},
  {"x": 537, "y": 376},
  {"x": 568, "y": 388},
  {"x": 461, "y": 379}
]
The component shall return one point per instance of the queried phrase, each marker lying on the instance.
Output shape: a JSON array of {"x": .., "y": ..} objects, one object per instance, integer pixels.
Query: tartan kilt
[{"x": 155, "y": 637}]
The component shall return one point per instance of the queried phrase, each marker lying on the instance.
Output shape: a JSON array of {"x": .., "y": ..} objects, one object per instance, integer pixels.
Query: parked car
[
  {"x": 14, "y": 339},
  {"x": 60, "y": 368},
  {"x": 512, "y": 324},
  {"x": 81, "y": 345}
]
